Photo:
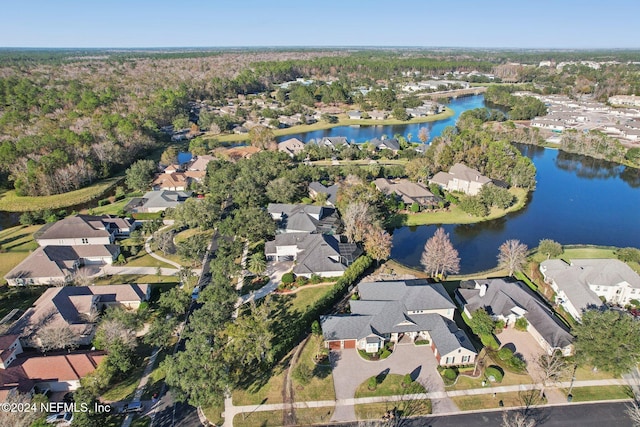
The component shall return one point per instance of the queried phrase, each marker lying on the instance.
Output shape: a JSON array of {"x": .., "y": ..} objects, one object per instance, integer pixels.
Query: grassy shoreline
[
  {"x": 342, "y": 121},
  {"x": 455, "y": 215},
  {"x": 11, "y": 202}
]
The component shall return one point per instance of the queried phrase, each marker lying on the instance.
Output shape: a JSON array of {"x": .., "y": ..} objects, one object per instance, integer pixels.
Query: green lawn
[
  {"x": 455, "y": 215},
  {"x": 214, "y": 413},
  {"x": 342, "y": 121},
  {"x": 391, "y": 385},
  {"x": 16, "y": 243},
  {"x": 190, "y": 232},
  {"x": 110, "y": 209},
  {"x": 587, "y": 252},
  {"x": 10, "y": 201},
  {"x": 375, "y": 411},
  {"x": 135, "y": 278},
  {"x": 143, "y": 259},
  {"x": 321, "y": 385},
  {"x": 18, "y": 297},
  {"x": 611, "y": 392},
  {"x": 262, "y": 392},
  {"x": 487, "y": 401},
  {"x": 258, "y": 419},
  {"x": 156, "y": 378}
]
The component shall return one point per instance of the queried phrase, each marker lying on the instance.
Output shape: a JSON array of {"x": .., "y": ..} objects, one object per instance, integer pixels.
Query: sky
[{"x": 233, "y": 23}]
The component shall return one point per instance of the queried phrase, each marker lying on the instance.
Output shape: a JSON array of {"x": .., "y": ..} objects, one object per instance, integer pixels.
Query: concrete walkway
[
  {"x": 231, "y": 410},
  {"x": 143, "y": 383},
  {"x": 112, "y": 270},
  {"x": 275, "y": 273},
  {"x": 147, "y": 247}
]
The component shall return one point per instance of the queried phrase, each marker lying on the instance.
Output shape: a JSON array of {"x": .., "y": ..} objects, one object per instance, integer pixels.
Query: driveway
[
  {"x": 350, "y": 370},
  {"x": 275, "y": 270},
  {"x": 523, "y": 343}
]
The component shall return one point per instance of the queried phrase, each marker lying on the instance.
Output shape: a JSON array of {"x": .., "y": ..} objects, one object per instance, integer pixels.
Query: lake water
[
  {"x": 365, "y": 133},
  {"x": 578, "y": 200}
]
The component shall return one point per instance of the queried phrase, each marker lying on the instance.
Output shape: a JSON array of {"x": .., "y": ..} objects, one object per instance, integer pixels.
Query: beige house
[
  {"x": 75, "y": 307},
  {"x": 461, "y": 178},
  {"x": 291, "y": 146},
  {"x": 400, "y": 311},
  {"x": 581, "y": 283}
]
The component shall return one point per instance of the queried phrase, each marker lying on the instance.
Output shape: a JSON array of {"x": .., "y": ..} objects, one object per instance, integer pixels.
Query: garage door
[
  {"x": 334, "y": 345},
  {"x": 350, "y": 344}
]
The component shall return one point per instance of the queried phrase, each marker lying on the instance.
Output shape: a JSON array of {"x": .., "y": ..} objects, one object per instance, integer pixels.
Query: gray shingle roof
[
  {"x": 501, "y": 297},
  {"x": 466, "y": 173},
  {"x": 571, "y": 280},
  {"x": 74, "y": 227},
  {"x": 380, "y": 144},
  {"x": 305, "y": 218},
  {"x": 414, "y": 294},
  {"x": 331, "y": 191}
]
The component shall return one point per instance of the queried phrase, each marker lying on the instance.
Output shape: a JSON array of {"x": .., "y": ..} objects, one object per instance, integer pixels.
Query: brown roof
[
  {"x": 200, "y": 163},
  {"x": 6, "y": 341},
  {"x": 77, "y": 226},
  {"x": 171, "y": 180}
]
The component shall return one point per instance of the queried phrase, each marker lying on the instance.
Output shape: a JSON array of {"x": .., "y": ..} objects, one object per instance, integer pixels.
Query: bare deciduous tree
[
  {"x": 164, "y": 240},
  {"x": 82, "y": 277},
  {"x": 633, "y": 411},
  {"x": 357, "y": 219},
  {"x": 551, "y": 368},
  {"x": 517, "y": 419},
  {"x": 377, "y": 243},
  {"x": 513, "y": 255},
  {"x": 439, "y": 256},
  {"x": 20, "y": 418},
  {"x": 55, "y": 337},
  {"x": 423, "y": 135}
]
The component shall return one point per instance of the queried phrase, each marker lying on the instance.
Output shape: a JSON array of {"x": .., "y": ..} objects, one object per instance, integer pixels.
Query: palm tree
[{"x": 257, "y": 263}]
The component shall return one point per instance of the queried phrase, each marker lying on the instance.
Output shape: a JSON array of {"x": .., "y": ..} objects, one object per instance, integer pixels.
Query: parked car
[
  {"x": 196, "y": 293},
  {"x": 132, "y": 407},
  {"x": 61, "y": 418}
]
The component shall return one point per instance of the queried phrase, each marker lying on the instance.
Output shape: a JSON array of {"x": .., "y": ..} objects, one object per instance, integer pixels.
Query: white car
[{"x": 61, "y": 418}]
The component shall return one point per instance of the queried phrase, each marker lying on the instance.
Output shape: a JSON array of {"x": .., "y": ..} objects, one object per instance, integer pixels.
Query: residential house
[
  {"x": 75, "y": 307},
  {"x": 304, "y": 218},
  {"x": 333, "y": 142},
  {"x": 10, "y": 348},
  {"x": 397, "y": 311},
  {"x": 291, "y": 146},
  {"x": 461, "y": 178},
  {"x": 55, "y": 372},
  {"x": 199, "y": 163},
  {"x": 354, "y": 115},
  {"x": 157, "y": 201},
  {"x": 314, "y": 254},
  {"x": 630, "y": 100},
  {"x": 83, "y": 230},
  {"x": 172, "y": 181},
  {"x": 377, "y": 115},
  {"x": 385, "y": 144},
  {"x": 407, "y": 191},
  {"x": 581, "y": 283},
  {"x": 510, "y": 301},
  {"x": 57, "y": 265},
  {"x": 331, "y": 192}
]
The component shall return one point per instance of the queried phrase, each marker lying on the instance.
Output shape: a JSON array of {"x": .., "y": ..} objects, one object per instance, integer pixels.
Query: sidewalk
[
  {"x": 231, "y": 410},
  {"x": 147, "y": 247},
  {"x": 143, "y": 382}
]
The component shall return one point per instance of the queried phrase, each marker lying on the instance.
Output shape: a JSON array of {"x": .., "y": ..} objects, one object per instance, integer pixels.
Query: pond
[{"x": 578, "y": 200}]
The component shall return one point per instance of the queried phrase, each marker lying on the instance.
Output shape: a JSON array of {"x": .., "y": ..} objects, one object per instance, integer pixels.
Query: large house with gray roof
[
  {"x": 581, "y": 283},
  {"x": 320, "y": 254},
  {"x": 157, "y": 201},
  {"x": 397, "y": 311},
  {"x": 407, "y": 191},
  {"x": 68, "y": 244},
  {"x": 316, "y": 188},
  {"x": 304, "y": 218},
  {"x": 461, "y": 178},
  {"x": 509, "y": 301}
]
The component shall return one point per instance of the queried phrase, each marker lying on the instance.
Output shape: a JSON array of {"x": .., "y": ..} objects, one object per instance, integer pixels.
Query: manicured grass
[
  {"x": 455, "y": 215},
  {"x": 342, "y": 121},
  {"x": 393, "y": 267},
  {"x": 321, "y": 385},
  {"x": 391, "y": 385},
  {"x": 523, "y": 277},
  {"x": 304, "y": 417},
  {"x": 118, "y": 279},
  {"x": 466, "y": 383},
  {"x": 110, "y": 209},
  {"x": 587, "y": 252},
  {"x": 18, "y": 297},
  {"x": 487, "y": 401},
  {"x": 143, "y": 259},
  {"x": 214, "y": 413},
  {"x": 267, "y": 393},
  {"x": 375, "y": 411},
  {"x": 10, "y": 201},
  {"x": 124, "y": 390},
  {"x": 190, "y": 232},
  {"x": 303, "y": 299},
  {"x": 585, "y": 373},
  {"x": 609, "y": 392},
  {"x": 16, "y": 242},
  {"x": 156, "y": 378}
]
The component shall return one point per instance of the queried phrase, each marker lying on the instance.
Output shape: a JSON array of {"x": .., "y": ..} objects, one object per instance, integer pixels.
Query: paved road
[{"x": 583, "y": 415}]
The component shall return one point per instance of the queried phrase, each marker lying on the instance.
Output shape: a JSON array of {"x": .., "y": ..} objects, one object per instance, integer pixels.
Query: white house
[{"x": 461, "y": 178}]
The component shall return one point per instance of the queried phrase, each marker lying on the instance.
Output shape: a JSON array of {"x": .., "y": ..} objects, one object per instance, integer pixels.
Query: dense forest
[{"x": 68, "y": 118}]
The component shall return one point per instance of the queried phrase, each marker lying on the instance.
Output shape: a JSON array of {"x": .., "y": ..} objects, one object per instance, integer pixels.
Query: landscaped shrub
[
  {"x": 355, "y": 296},
  {"x": 303, "y": 374},
  {"x": 415, "y": 207},
  {"x": 372, "y": 383},
  {"x": 505, "y": 354},
  {"x": 499, "y": 326},
  {"x": 401, "y": 206},
  {"x": 315, "y": 279},
  {"x": 287, "y": 278},
  {"x": 449, "y": 374},
  {"x": 315, "y": 328},
  {"x": 495, "y": 372},
  {"x": 103, "y": 202},
  {"x": 516, "y": 364},
  {"x": 385, "y": 353},
  {"x": 422, "y": 342},
  {"x": 301, "y": 280},
  {"x": 522, "y": 324},
  {"x": 406, "y": 380}
]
